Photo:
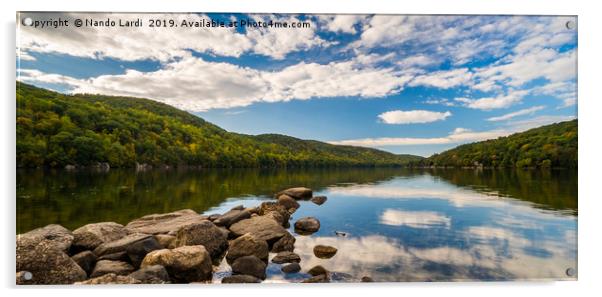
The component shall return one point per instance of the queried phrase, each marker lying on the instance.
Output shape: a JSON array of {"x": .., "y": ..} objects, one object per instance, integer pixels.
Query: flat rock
[
  {"x": 118, "y": 256},
  {"x": 291, "y": 268},
  {"x": 204, "y": 233},
  {"x": 260, "y": 227},
  {"x": 90, "y": 236},
  {"x": 106, "y": 266},
  {"x": 231, "y": 217},
  {"x": 164, "y": 223},
  {"x": 285, "y": 243},
  {"x": 286, "y": 257},
  {"x": 54, "y": 235},
  {"x": 319, "y": 200},
  {"x": 110, "y": 279},
  {"x": 249, "y": 265},
  {"x": 240, "y": 279},
  {"x": 297, "y": 193},
  {"x": 324, "y": 251},
  {"x": 86, "y": 260},
  {"x": 119, "y": 245},
  {"x": 247, "y": 245},
  {"x": 183, "y": 264},
  {"x": 154, "y": 274},
  {"x": 307, "y": 225}
]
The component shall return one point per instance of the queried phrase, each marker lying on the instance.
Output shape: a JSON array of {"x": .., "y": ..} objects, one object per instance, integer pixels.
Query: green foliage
[
  {"x": 55, "y": 130},
  {"x": 548, "y": 146}
]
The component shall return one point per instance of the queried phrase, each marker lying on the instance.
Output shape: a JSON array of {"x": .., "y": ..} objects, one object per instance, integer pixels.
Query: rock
[
  {"x": 183, "y": 264},
  {"x": 317, "y": 270},
  {"x": 276, "y": 216},
  {"x": 119, "y": 245},
  {"x": 238, "y": 207},
  {"x": 247, "y": 245},
  {"x": 231, "y": 217},
  {"x": 119, "y": 256},
  {"x": 319, "y": 200},
  {"x": 291, "y": 268},
  {"x": 240, "y": 279},
  {"x": 54, "y": 235},
  {"x": 288, "y": 202},
  {"x": 86, "y": 260},
  {"x": 110, "y": 278},
  {"x": 164, "y": 223},
  {"x": 166, "y": 241},
  {"x": 324, "y": 251},
  {"x": 297, "y": 193},
  {"x": 249, "y": 265},
  {"x": 268, "y": 208},
  {"x": 260, "y": 227},
  {"x": 285, "y": 243},
  {"x": 90, "y": 236},
  {"x": 252, "y": 210},
  {"x": 42, "y": 253},
  {"x": 138, "y": 249},
  {"x": 322, "y": 278},
  {"x": 307, "y": 225},
  {"x": 106, "y": 266},
  {"x": 367, "y": 279},
  {"x": 154, "y": 274},
  {"x": 213, "y": 217},
  {"x": 206, "y": 234},
  {"x": 286, "y": 257}
]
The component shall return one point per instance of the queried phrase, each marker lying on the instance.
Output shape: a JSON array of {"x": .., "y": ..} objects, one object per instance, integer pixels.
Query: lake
[{"x": 400, "y": 224}]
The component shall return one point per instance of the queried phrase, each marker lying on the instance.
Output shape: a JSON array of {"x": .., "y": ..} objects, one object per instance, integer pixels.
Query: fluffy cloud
[
  {"x": 412, "y": 116},
  {"x": 517, "y": 113},
  {"x": 489, "y": 103},
  {"x": 443, "y": 79},
  {"x": 342, "y": 22}
]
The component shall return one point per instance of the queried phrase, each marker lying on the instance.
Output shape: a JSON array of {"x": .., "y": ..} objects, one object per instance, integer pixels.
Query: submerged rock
[
  {"x": 154, "y": 274},
  {"x": 286, "y": 257},
  {"x": 164, "y": 223},
  {"x": 247, "y": 245},
  {"x": 291, "y": 268},
  {"x": 206, "y": 234},
  {"x": 110, "y": 278},
  {"x": 324, "y": 251},
  {"x": 322, "y": 278},
  {"x": 297, "y": 193},
  {"x": 90, "y": 236},
  {"x": 117, "y": 267},
  {"x": 307, "y": 225},
  {"x": 184, "y": 264},
  {"x": 319, "y": 200},
  {"x": 249, "y": 265},
  {"x": 240, "y": 279}
]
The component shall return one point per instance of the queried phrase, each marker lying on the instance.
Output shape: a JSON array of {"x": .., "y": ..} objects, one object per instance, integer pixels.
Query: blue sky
[{"x": 405, "y": 84}]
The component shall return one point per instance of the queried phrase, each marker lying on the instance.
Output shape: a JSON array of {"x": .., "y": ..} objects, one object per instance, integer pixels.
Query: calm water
[{"x": 402, "y": 224}]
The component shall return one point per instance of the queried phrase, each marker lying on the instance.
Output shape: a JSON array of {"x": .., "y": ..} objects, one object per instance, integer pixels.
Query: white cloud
[
  {"x": 412, "y": 116},
  {"x": 414, "y": 219},
  {"x": 521, "y": 112},
  {"x": 489, "y": 103},
  {"x": 443, "y": 79},
  {"x": 342, "y": 22}
]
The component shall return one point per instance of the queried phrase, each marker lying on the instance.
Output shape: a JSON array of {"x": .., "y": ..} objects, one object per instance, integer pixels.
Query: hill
[
  {"x": 55, "y": 130},
  {"x": 547, "y": 146}
]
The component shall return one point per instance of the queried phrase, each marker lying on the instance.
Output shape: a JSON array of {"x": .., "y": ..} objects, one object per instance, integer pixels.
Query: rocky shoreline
[{"x": 177, "y": 247}]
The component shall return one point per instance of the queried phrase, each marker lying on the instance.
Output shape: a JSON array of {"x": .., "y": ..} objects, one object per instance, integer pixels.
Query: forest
[
  {"x": 551, "y": 146},
  {"x": 55, "y": 130}
]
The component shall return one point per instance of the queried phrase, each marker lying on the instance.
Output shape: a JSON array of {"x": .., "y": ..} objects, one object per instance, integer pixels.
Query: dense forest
[
  {"x": 547, "y": 146},
  {"x": 56, "y": 130}
]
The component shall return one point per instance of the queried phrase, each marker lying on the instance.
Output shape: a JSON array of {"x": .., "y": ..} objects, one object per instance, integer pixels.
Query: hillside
[
  {"x": 55, "y": 130},
  {"x": 547, "y": 146}
]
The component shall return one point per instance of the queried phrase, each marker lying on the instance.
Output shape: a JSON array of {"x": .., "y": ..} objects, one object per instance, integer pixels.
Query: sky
[{"x": 405, "y": 84}]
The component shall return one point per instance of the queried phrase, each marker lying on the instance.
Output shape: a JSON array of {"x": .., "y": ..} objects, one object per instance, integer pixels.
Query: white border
[{"x": 589, "y": 51}]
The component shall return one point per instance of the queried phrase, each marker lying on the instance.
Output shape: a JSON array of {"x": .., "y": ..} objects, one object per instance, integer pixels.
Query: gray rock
[
  {"x": 86, "y": 260},
  {"x": 166, "y": 241},
  {"x": 291, "y": 268},
  {"x": 206, "y": 234},
  {"x": 247, "y": 245},
  {"x": 307, "y": 225},
  {"x": 119, "y": 245},
  {"x": 319, "y": 200},
  {"x": 260, "y": 227},
  {"x": 110, "y": 279},
  {"x": 297, "y": 193},
  {"x": 285, "y": 243},
  {"x": 90, "y": 236},
  {"x": 288, "y": 202},
  {"x": 164, "y": 223},
  {"x": 231, "y": 217},
  {"x": 240, "y": 279},
  {"x": 53, "y": 235},
  {"x": 324, "y": 251},
  {"x": 118, "y": 256},
  {"x": 286, "y": 257},
  {"x": 138, "y": 249},
  {"x": 249, "y": 265},
  {"x": 106, "y": 266},
  {"x": 154, "y": 274},
  {"x": 183, "y": 264}
]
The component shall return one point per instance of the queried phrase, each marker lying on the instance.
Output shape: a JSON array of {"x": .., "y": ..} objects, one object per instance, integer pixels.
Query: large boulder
[
  {"x": 231, "y": 217},
  {"x": 297, "y": 193},
  {"x": 119, "y": 245},
  {"x": 206, "y": 234},
  {"x": 154, "y": 274},
  {"x": 288, "y": 202},
  {"x": 324, "y": 251},
  {"x": 164, "y": 223},
  {"x": 307, "y": 225},
  {"x": 260, "y": 227},
  {"x": 249, "y": 265},
  {"x": 286, "y": 257},
  {"x": 112, "y": 279},
  {"x": 240, "y": 279},
  {"x": 106, "y": 266},
  {"x": 42, "y": 253},
  {"x": 184, "y": 264},
  {"x": 90, "y": 236},
  {"x": 137, "y": 250},
  {"x": 247, "y": 245},
  {"x": 270, "y": 207},
  {"x": 86, "y": 260},
  {"x": 285, "y": 243}
]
